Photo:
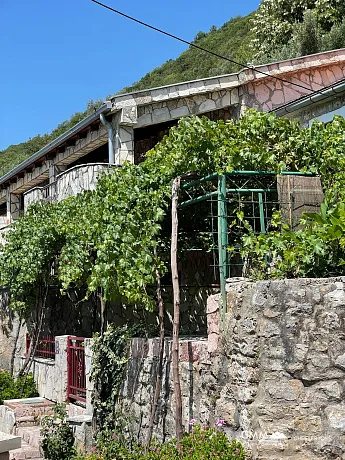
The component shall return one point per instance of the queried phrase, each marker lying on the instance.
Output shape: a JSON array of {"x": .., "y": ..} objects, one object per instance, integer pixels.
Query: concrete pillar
[
  {"x": 88, "y": 372},
  {"x": 61, "y": 368},
  {"x": 125, "y": 151},
  {"x": 54, "y": 171}
]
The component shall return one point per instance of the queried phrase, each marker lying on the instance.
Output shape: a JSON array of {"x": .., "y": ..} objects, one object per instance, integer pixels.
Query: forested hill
[
  {"x": 279, "y": 29},
  {"x": 232, "y": 40}
]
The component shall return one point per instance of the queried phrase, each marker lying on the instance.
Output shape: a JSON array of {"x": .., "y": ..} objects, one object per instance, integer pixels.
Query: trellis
[{"x": 258, "y": 194}]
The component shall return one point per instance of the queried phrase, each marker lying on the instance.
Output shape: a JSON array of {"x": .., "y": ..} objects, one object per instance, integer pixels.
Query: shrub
[
  {"x": 23, "y": 387},
  {"x": 201, "y": 444},
  {"x": 58, "y": 438}
]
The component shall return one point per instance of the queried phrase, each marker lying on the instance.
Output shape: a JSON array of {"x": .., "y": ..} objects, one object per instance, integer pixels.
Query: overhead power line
[{"x": 204, "y": 49}]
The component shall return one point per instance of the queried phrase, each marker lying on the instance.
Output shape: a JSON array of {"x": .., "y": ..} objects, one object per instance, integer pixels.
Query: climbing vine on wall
[{"x": 110, "y": 354}]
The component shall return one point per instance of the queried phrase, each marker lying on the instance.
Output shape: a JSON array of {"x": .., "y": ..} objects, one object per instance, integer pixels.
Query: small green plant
[
  {"x": 58, "y": 438},
  {"x": 10, "y": 388},
  {"x": 201, "y": 444},
  {"x": 108, "y": 364}
]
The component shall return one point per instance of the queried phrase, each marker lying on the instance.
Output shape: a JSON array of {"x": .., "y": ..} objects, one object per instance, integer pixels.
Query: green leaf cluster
[
  {"x": 110, "y": 352},
  {"x": 57, "y": 435},
  {"x": 316, "y": 250},
  {"x": 289, "y": 28},
  {"x": 10, "y": 388},
  {"x": 202, "y": 443}
]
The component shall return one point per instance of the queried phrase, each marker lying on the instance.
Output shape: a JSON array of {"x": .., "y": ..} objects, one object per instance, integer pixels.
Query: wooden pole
[
  {"x": 160, "y": 358},
  {"x": 176, "y": 292}
]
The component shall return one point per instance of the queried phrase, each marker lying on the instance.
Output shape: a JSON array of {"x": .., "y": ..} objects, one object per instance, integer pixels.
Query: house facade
[{"x": 129, "y": 125}]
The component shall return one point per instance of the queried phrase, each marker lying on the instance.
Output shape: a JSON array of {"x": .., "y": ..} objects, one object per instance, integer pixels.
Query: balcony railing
[{"x": 68, "y": 183}]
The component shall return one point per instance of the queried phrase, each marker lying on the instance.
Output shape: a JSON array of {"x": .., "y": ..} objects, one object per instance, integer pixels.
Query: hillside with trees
[{"x": 279, "y": 29}]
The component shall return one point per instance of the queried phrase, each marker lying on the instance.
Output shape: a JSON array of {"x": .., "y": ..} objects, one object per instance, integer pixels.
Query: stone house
[
  {"x": 127, "y": 126},
  {"x": 124, "y": 129}
]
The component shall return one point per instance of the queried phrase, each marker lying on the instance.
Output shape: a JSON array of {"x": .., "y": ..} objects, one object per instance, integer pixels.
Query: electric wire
[{"x": 253, "y": 68}]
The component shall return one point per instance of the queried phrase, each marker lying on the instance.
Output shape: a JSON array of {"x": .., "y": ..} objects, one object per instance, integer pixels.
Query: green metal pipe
[
  {"x": 229, "y": 190},
  {"x": 199, "y": 181},
  {"x": 262, "y": 214},
  {"x": 222, "y": 241},
  {"x": 251, "y": 173}
]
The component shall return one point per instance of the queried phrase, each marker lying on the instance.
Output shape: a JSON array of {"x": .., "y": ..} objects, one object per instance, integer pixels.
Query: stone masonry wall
[
  {"x": 68, "y": 183},
  {"x": 285, "y": 340},
  {"x": 9, "y": 325},
  {"x": 270, "y": 93},
  {"x": 276, "y": 373}
]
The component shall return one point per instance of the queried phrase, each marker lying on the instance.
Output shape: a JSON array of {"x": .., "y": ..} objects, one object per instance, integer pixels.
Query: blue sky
[{"x": 58, "y": 54}]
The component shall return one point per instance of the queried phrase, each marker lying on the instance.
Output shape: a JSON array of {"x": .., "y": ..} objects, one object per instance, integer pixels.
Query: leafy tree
[{"x": 276, "y": 24}]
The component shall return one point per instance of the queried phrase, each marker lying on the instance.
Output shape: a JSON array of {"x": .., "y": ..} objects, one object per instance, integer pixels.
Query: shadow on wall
[{"x": 70, "y": 314}]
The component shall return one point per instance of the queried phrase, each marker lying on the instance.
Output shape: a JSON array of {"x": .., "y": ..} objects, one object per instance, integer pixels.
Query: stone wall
[
  {"x": 68, "y": 183},
  {"x": 276, "y": 373},
  {"x": 12, "y": 333},
  {"x": 267, "y": 94}
]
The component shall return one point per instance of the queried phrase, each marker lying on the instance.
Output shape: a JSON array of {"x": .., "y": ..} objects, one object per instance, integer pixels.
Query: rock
[{"x": 336, "y": 416}]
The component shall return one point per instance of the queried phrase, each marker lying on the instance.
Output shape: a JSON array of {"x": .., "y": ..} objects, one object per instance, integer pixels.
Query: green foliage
[
  {"x": 110, "y": 352},
  {"x": 105, "y": 240},
  {"x": 57, "y": 436},
  {"x": 316, "y": 250},
  {"x": 23, "y": 387},
  {"x": 290, "y": 28},
  {"x": 36, "y": 256},
  {"x": 201, "y": 444}
]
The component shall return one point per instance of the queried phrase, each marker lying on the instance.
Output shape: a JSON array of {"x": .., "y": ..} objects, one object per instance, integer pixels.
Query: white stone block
[
  {"x": 209, "y": 104},
  {"x": 180, "y": 112},
  {"x": 160, "y": 115},
  {"x": 9, "y": 442}
]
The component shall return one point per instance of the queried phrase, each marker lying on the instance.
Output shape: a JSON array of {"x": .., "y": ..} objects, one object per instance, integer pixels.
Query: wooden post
[
  {"x": 161, "y": 355},
  {"x": 176, "y": 326}
]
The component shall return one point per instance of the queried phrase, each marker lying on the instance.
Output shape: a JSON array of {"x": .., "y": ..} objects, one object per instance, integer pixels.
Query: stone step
[
  {"x": 26, "y": 452},
  {"x": 30, "y": 434},
  {"x": 28, "y": 420}
]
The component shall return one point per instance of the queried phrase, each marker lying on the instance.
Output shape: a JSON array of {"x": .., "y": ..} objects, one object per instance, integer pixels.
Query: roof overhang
[{"x": 65, "y": 137}]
